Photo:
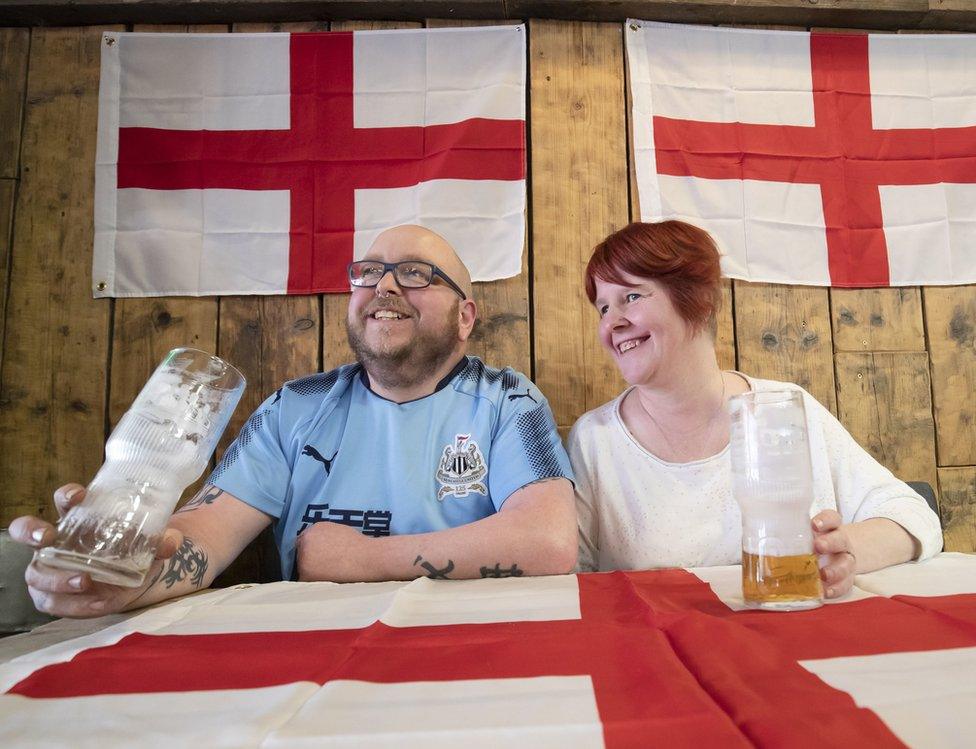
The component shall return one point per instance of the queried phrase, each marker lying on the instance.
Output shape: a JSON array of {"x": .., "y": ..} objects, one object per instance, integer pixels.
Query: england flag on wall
[
  {"x": 825, "y": 159},
  {"x": 264, "y": 163}
]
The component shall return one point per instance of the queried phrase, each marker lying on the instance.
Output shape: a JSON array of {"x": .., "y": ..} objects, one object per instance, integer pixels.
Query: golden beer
[{"x": 781, "y": 583}]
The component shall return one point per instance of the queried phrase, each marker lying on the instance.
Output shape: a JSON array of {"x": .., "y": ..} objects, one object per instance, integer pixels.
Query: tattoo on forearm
[
  {"x": 498, "y": 571},
  {"x": 205, "y": 496},
  {"x": 188, "y": 562},
  {"x": 432, "y": 572}
]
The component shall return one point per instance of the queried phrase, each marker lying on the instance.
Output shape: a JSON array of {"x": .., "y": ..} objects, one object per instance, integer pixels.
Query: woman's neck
[
  {"x": 689, "y": 390},
  {"x": 680, "y": 416}
]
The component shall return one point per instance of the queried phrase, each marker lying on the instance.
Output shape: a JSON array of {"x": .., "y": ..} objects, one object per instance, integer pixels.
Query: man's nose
[{"x": 388, "y": 285}]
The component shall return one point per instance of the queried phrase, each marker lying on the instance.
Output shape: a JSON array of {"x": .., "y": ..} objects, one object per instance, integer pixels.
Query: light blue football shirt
[{"x": 326, "y": 447}]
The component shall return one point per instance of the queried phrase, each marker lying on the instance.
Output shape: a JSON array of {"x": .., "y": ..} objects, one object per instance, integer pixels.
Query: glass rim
[
  {"x": 212, "y": 357},
  {"x": 768, "y": 396}
]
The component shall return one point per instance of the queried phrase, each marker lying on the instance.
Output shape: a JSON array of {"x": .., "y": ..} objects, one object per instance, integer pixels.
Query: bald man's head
[
  {"x": 404, "y": 335},
  {"x": 410, "y": 242}
]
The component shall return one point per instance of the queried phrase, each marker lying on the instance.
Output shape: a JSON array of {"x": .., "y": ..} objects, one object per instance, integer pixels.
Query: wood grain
[
  {"x": 14, "y": 46},
  {"x": 52, "y": 397},
  {"x": 8, "y": 189},
  {"x": 579, "y": 195},
  {"x": 885, "y": 402},
  {"x": 950, "y": 322},
  {"x": 783, "y": 333},
  {"x": 957, "y": 506},
  {"x": 877, "y": 319}
]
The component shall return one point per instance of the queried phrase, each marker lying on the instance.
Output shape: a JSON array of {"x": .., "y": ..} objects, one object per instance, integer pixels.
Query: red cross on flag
[
  {"x": 823, "y": 159},
  {"x": 625, "y": 659},
  {"x": 265, "y": 163}
]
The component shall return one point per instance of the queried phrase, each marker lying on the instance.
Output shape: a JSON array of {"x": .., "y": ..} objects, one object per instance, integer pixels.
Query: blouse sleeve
[{"x": 865, "y": 489}]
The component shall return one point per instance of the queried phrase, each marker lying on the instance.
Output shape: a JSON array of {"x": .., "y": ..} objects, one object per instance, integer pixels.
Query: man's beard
[{"x": 410, "y": 362}]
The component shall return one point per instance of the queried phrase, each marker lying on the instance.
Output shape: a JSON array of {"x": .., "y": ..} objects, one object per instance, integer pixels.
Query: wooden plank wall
[{"x": 897, "y": 366}]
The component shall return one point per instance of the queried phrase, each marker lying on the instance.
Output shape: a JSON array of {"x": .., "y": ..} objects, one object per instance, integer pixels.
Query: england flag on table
[
  {"x": 813, "y": 158},
  {"x": 598, "y": 660},
  {"x": 264, "y": 163}
]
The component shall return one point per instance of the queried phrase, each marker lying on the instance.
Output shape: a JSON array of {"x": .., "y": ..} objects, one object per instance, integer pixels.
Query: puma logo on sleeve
[{"x": 313, "y": 453}]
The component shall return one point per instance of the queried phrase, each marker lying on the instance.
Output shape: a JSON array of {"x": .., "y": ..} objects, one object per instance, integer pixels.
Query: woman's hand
[{"x": 837, "y": 561}]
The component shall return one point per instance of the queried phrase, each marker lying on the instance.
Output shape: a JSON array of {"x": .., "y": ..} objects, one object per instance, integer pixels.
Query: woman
[{"x": 652, "y": 466}]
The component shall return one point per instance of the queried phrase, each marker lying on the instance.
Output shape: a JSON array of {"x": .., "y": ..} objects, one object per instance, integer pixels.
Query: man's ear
[{"x": 467, "y": 314}]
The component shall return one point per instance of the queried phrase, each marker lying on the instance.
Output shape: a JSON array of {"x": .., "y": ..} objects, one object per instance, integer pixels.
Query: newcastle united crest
[{"x": 462, "y": 468}]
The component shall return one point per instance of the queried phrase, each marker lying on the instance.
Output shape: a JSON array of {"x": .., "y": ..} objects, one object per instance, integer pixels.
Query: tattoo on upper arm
[
  {"x": 498, "y": 571},
  {"x": 547, "y": 480},
  {"x": 432, "y": 572},
  {"x": 205, "y": 496}
]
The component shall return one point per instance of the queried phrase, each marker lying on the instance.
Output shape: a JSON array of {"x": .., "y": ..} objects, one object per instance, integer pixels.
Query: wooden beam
[
  {"x": 52, "y": 395},
  {"x": 958, "y": 15},
  {"x": 579, "y": 195}
]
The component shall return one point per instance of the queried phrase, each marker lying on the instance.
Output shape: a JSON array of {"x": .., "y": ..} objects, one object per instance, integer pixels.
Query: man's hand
[
  {"x": 837, "y": 562},
  {"x": 65, "y": 593},
  {"x": 331, "y": 552}
]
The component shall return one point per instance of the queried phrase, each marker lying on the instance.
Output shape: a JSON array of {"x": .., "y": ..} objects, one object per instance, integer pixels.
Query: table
[{"x": 623, "y": 659}]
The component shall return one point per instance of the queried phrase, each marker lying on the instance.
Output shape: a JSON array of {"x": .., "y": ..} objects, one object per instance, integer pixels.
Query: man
[{"x": 420, "y": 460}]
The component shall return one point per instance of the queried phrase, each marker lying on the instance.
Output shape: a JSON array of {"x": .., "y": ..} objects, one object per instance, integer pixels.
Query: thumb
[{"x": 170, "y": 543}]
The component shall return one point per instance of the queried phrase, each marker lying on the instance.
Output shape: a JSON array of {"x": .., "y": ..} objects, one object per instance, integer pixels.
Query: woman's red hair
[{"x": 679, "y": 256}]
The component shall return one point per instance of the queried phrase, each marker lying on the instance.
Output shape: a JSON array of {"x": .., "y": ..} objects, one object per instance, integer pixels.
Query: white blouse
[{"x": 637, "y": 511}]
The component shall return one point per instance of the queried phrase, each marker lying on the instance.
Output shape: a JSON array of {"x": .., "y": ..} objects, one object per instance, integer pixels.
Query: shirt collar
[{"x": 444, "y": 382}]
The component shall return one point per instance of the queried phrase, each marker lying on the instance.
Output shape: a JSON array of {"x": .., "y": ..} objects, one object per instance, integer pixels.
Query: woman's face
[{"x": 640, "y": 328}]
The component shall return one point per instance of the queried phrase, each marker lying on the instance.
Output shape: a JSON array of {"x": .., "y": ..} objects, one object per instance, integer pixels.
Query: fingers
[
  {"x": 75, "y": 606},
  {"x": 171, "y": 541},
  {"x": 67, "y": 496},
  {"x": 834, "y": 542},
  {"x": 52, "y": 580},
  {"x": 35, "y": 532},
  {"x": 63, "y": 593},
  {"x": 838, "y": 574},
  {"x": 32, "y": 531},
  {"x": 826, "y": 520}
]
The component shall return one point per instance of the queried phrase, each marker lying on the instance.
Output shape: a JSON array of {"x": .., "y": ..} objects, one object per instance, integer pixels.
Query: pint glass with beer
[{"x": 772, "y": 482}]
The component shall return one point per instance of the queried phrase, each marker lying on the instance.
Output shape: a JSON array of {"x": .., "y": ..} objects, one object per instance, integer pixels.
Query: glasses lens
[
  {"x": 414, "y": 275},
  {"x": 365, "y": 273}
]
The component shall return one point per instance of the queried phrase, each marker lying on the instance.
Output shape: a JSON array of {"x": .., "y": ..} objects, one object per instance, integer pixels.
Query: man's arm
[
  {"x": 534, "y": 533},
  {"x": 203, "y": 537}
]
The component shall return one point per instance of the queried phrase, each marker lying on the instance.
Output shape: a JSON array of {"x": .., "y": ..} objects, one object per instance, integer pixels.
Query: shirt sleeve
[
  {"x": 588, "y": 521},
  {"x": 525, "y": 445},
  {"x": 255, "y": 468},
  {"x": 865, "y": 489}
]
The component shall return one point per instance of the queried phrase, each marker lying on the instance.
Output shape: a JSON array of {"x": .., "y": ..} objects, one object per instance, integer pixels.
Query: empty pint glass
[
  {"x": 773, "y": 484},
  {"x": 162, "y": 444}
]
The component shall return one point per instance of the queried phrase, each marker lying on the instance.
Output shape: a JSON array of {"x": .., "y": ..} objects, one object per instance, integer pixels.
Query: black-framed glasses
[{"x": 409, "y": 274}]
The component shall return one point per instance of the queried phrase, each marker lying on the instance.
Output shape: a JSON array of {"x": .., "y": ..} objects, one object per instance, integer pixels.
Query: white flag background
[
  {"x": 264, "y": 163},
  {"x": 824, "y": 159}
]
